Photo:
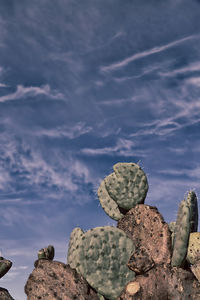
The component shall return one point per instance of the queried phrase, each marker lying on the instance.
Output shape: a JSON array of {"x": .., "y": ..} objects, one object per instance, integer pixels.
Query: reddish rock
[
  {"x": 163, "y": 283},
  {"x": 53, "y": 280},
  {"x": 146, "y": 227}
]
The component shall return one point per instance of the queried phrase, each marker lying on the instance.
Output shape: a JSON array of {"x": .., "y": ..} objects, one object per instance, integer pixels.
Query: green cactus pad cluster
[
  {"x": 120, "y": 191},
  {"x": 193, "y": 252},
  {"x": 46, "y": 253},
  {"x": 101, "y": 257},
  {"x": 187, "y": 221}
]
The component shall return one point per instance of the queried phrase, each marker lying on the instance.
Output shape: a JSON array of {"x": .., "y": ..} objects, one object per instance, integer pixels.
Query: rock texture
[
  {"x": 53, "y": 280},
  {"x": 155, "y": 278},
  {"x": 163, "y": 282},
  {"x": 4, "y": 294},
  {"x": 147, "y": 229}
]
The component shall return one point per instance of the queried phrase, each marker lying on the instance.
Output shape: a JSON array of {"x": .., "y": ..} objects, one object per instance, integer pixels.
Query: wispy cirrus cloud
[
  {"x": 124, "y": 147},
  {"x": 33, "y": 170},
  {"x": 143, "y": 54},
  {"x": 193, "y": 67},
  {"x": 194, "y": 81},
  {"x": 70, "y": 132},
  {"x": 184, "y": 112},
  {"x": 3, "y": 85},
  {"x": 31, "y": 91},
  {"x": 192, "y": 173}
]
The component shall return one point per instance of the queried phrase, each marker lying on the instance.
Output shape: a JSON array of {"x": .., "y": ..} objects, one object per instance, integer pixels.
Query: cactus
[
  {"x": 73, "y": 250},
  {"x": 101, "y": 258},
  {"x": 193, "y": 252},
  {"x": 181, "y": 235},
  {"x": 46, "y": 253},
  {"x": 193, "y": 205},
  {"x": 5, "y": 266},
  {"x": 172, "y": 226},
  {"x": 120, "y": 191},
  {"x": 187, "y": 222}
]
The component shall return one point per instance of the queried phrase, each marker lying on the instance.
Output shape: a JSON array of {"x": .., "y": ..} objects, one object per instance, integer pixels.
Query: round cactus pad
[
  {"x": 128, "y": 185},
  {"x": 193, "y": 253},
  {"x": 123, "y": 189},
  {"x": 102, "y": 258}
]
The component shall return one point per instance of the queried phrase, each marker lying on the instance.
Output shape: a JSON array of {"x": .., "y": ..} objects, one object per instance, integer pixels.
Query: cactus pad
[
  {"x": 101, "y": 258},
  {"x": 187, "y": 222},
  {"x": 172, "y": 226},
  {"x": 5, "y": 266},
  {"x": 181, "y": 235},
  {"x": 123, "y": 189},
  {"x": 193, "y": 252},
  {"x": 46, "y": 253},
  {"x": 108, "y": 204},
  {"x": 193, "y": 205},
  {"x": 74, "y": 241}
]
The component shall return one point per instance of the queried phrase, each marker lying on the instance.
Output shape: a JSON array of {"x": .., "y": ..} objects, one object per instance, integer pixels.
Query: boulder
[{"x": 54, "y": 280}]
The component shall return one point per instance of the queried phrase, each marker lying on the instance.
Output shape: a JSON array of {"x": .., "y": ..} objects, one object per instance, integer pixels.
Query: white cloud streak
[
  {"x": 23, "y": 92},
  {"x": 2, "y": 85},
  {"x": 70, "y": 132},
  {"x": 194, "y": 67},
  {"x": 123, "y": 147},
  {"x": 143, "y": 54},
  {"x": 183, "y": 108}
]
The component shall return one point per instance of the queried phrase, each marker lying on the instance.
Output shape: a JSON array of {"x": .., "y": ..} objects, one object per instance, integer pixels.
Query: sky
[{"x": 85, "y": 85}]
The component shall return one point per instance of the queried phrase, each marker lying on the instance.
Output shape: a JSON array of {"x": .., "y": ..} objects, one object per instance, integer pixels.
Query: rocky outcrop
[
  {"x": 163, "y": 282},
  {"x": 53, "y": 280},
  {"x": 144, "y": 258}
]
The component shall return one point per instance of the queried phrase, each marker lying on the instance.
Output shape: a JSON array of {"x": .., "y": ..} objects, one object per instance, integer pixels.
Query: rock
[
  {"x": 53, "y": 280},
  {"x": 4, "y": 294},
  {"x": 140, "y": 261},
  {"x": 146, "y": 227},
  {"x": 163, "y": 282}
]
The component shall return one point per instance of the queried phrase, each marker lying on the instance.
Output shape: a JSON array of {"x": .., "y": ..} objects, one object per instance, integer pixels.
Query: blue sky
[{"x": 84, "y": 85}]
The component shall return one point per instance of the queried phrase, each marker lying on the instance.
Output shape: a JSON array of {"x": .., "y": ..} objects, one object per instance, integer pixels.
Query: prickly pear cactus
[
  {"x": 181, "y": 235},
  {"x": 120, "y": 191},
  {"x": 193, "y": 252},
  {"x": 172, "y": 226},
  {"x": 5, "y": 266},
  {"x": 187, "y": 222},
  {"x": 101, "y": 257},
  {"x": 73, "y": 247},
  {"x": 46, "y": 253},
  {"x": 193, "y": 205}
]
